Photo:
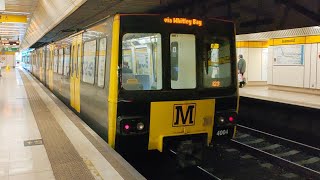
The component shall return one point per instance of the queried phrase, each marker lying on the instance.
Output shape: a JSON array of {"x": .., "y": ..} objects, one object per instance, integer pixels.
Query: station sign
[
  {"x": 184, "y": 21},
  {"x": 9, "y": 49},
  {"x": 6, "y": 18}
]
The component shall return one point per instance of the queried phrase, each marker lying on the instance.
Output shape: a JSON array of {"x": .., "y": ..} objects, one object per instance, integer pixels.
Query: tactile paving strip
[
  {"x": 122, "y": 168},
  {"x": 65, "y": 161}
]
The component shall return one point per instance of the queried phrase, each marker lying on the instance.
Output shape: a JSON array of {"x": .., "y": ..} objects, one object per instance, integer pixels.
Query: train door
[
  {"x": 76, "y": 60},
  {"x": 51, "y": 54}
]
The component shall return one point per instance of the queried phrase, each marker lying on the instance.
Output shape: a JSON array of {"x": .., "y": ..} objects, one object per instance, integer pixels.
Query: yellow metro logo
[{"x": 184, "y": 115}]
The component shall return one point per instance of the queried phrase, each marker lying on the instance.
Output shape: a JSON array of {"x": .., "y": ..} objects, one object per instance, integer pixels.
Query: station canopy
[{"x": 250, "y": 16}]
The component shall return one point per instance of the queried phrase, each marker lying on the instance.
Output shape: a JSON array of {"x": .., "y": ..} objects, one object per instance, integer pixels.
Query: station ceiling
[
  {"x": 14, "y": 9},
  {"x": 250, "y": 16}
]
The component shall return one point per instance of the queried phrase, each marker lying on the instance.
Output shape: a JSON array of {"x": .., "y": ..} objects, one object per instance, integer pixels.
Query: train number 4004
[{"x": 222, "y": 132}]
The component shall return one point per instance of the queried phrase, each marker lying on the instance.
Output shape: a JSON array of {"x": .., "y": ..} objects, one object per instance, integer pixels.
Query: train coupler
[{"x": 188, "y": 152}]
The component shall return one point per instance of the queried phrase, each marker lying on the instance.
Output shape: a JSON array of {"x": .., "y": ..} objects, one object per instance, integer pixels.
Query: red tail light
[
  {"x": 231, "y": 119},
  {"x": 126, "y": 127}
]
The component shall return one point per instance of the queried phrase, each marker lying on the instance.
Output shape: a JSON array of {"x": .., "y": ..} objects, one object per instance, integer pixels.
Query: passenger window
[
  {"x": 47, "y": 58},
  {"x": 183, "y": 61},
  {"x": 217, "y": 68},
  {"x": 55, "y": 61},
  {"x": 73, "y": 58},
  {"x": 102, "y": 61},
  {"x": 60, "y": 64},
  {"x": 78, "y": 60},
  {"x": 89, "y": 56},
  {"x": 66, "y": 68},
  {"x": 43, "y": 58},
  {"x": 141, "y": 61}
]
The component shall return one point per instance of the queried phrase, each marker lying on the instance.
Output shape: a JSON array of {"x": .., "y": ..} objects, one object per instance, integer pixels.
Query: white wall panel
[
  {"x": 254, "y": 64},
  {"x": 288, "y": 75},
  {"x": 318, "y": 67},
  {"x": 307, "y": 64},
  {"x": 264, "y": 64},
  {"x": 8, "y": 60},
  {"x": 313, "y": 66},
  {"x": 270, "y": 65}
]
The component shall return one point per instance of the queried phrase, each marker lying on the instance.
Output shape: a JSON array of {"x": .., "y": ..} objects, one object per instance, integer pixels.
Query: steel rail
[
  {"x": 317, "y": 150},
  {"x": 284, "y": 162}
]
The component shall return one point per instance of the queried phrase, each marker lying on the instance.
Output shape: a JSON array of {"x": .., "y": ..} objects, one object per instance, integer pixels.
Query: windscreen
[
  {"x": 141, "y": 61},
  {"x": 217, "y": 64}
]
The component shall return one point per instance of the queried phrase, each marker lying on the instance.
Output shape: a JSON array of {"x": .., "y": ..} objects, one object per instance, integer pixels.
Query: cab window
[
  {"x": 217, "y": 67},
  {"x": 141, "y": 67},
  {"x": 183, "y": 61}
]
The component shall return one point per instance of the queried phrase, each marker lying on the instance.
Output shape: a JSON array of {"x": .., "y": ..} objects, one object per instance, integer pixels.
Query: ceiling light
[{"x": 2, "y": 5}]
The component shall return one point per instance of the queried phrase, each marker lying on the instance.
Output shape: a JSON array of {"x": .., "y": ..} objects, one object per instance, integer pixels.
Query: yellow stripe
[
  {"x": 313, "y": 39},
  {"x": 89, "y": 53},
  {"x": 113, "y": 83},
  {"x": 13, "y": 18},
  {"x": 7, "y": 53},
  {"x": 222, "y": 60},
  {"x": 279, "y": 41},
  {"x": 252, "y": 44},
  {"x": 289, "y": 41},
  {"x": 270, "y": 42},
  {"x": 102, "y": 53}
]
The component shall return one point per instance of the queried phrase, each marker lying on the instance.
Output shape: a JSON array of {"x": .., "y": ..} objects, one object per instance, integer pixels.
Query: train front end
[{"x": 176, "y": 79}]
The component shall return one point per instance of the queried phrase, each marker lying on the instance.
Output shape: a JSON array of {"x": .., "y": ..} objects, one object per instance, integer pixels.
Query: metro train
[{"x": 146, "y": 81}]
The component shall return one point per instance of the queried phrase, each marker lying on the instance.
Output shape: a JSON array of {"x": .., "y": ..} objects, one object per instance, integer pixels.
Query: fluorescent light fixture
[{"x": 2, "y": 5}]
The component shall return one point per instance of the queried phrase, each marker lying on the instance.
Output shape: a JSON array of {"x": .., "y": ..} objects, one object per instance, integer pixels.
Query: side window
[
  {"x": 66, "y": 65},
  {"x": 78, "y": 60},
  {"x": 183, "y": 61},
  {"x": 102, "y": 61},
  {"x": 47, "y": 58},
  {"x": 89, "y": 55},
  {"x": 73, "y": 58},
  {"x": 141, "y": 61},
  {"x": 60, "y": 64},
  {"x": 55, "y": 61}
]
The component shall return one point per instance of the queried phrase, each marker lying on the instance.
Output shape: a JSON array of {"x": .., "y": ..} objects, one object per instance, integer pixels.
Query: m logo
[{"x": 184, "y": 115}]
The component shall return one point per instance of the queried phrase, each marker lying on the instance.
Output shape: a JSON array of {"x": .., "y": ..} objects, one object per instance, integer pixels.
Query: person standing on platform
[{"x": 242, "y": 70}]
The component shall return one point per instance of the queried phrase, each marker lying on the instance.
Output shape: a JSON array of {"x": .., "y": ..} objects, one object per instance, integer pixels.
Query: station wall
[
  {"x": 8, "y": 59},
  {"x": 292, "y": 62},
  {"x": 292, "y": 73},
  {"x": 255, "y": 54}
]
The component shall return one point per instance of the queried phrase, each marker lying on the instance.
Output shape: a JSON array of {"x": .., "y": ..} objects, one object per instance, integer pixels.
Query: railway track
[
  {"x": 251, "y": 155},
  {"x": 296, "y": 156}
]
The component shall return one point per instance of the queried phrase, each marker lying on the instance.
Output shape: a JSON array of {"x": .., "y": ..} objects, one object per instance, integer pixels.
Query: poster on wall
[{"x": 288, "y": 55}]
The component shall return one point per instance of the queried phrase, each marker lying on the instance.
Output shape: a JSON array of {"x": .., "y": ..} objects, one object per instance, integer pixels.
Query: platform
[
  {"x": 42, "y": 139},
  {"x": 293, "y": 98}
]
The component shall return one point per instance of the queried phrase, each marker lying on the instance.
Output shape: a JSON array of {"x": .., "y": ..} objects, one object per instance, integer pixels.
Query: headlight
[
  {"x": 221, "y": 119},
  {"x": 140, "y": 126}
]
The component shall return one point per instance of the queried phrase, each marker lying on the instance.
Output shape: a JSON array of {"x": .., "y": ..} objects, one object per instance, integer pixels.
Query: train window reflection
[
  {"x": 55, "y": 60},
  {"x": 102, "y": 61},
  {"x": 141, "y": 61},
  {"x": 66, "y": 68},
  {"x": 183, "y": 61},
  {"x": 60, "y": 65},
  {"x": 217, "y": 69},
  {"x": 89, "y": 62}
]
